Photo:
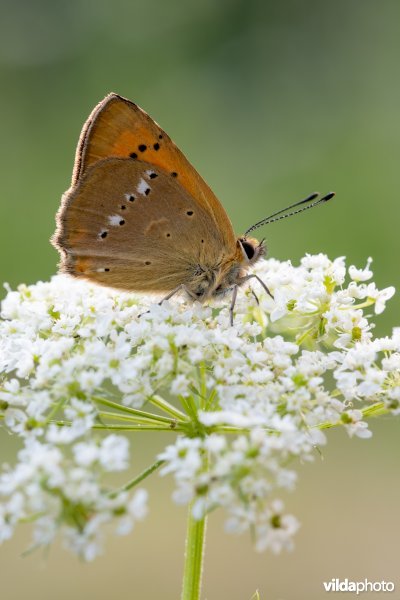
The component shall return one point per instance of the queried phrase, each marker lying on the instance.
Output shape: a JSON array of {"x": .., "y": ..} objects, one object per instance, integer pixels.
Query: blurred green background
[{"x": 270, "y": 101}]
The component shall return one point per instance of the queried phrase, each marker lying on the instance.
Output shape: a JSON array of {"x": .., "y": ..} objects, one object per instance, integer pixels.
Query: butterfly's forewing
[
  {"x": 129, "y": 224},
  {"x": 119, "y": 128}
]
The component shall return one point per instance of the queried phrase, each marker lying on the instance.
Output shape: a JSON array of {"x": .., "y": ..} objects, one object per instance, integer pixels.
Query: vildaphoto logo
[{"x": 346, "y": 585}]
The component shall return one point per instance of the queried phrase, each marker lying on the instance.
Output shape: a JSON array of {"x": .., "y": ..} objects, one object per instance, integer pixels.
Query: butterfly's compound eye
[{"x": 248, "y": 249}]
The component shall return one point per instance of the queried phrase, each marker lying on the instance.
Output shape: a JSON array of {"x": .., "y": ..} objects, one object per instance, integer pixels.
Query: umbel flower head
[{"x": 80, "y": 371}]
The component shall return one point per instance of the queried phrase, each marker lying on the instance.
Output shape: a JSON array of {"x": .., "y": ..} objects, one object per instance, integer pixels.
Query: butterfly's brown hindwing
[{"x": 130, "y": 225}]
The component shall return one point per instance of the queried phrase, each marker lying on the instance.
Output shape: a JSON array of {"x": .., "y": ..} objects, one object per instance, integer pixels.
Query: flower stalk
[
  {"x": 194, "y": 556},
  {"x": 139, "y": 415},
  {"x": 143, "y": 475}
]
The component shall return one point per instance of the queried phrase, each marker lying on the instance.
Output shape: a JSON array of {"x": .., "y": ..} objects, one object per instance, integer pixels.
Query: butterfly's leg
[
  {"x": 255, "y": 296},
  {"x": 167, "y": 297},
  {"x": 175, "y": 291},
  {"x": 233, "y": 302},
  {"x": 254, "y": 276}
]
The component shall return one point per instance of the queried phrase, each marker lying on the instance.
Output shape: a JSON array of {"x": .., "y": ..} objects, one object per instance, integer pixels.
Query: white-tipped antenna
[{"x": 275, "y": 217}]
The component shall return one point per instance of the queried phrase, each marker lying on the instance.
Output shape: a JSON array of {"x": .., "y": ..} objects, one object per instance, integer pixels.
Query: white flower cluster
[
  {"x": 245, "y": 400},
  {"x": 47, "y": 486},
  {"x": 239, "y": 475}
]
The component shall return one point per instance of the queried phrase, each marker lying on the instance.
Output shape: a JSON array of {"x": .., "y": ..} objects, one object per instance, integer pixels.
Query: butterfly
[{"x": 139, "y": 217}]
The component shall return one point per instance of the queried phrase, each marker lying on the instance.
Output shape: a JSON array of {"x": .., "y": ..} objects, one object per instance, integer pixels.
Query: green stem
[
  {"x": 137, "y": 427},
  {"x": 132, "y": 411},
  {"x": 203, "y": 382},
  {"x": 190, "y": 406},
  {"x": 167, "y": 407},
  {"x": 194, "y": 556},
  {"x": 172, "y": 427},
  {"x": 54, "y": 410},
  {"x": 134, "y": 419},
  {"x": 237, "y": 430},
  {"x": 365, "y": 304},
  {"x": 128, "y": 486},
  {"x": 301, "y": 339},
  {"x": 375, "y": 410}
]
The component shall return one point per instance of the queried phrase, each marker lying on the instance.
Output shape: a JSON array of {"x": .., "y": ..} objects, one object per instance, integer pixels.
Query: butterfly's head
[
  {"x": 251, "y": 250},
  {"x": 232, "y": 272}
]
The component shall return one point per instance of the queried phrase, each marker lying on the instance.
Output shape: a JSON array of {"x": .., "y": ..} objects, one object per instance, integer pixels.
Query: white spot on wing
[
  {"x": 142, "y": 187},
  {"x": 114, "y": 219}
]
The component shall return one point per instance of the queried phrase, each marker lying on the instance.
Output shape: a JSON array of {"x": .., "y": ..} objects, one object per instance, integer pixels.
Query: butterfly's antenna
[{"x": 275, "y": 217}]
